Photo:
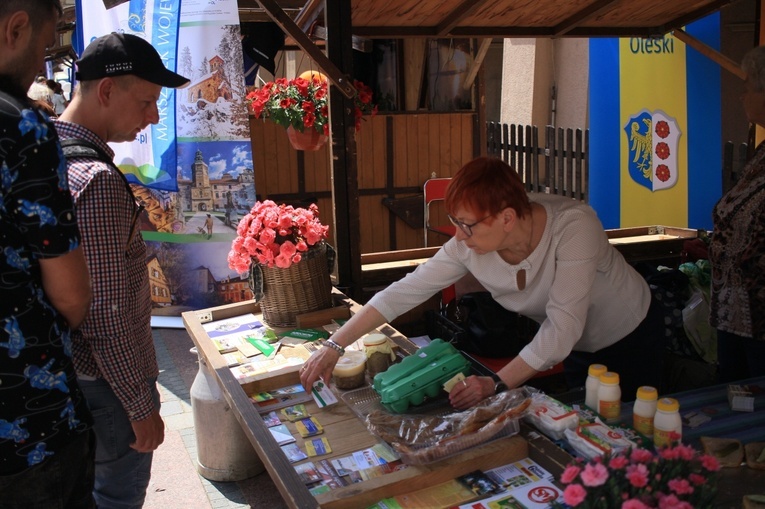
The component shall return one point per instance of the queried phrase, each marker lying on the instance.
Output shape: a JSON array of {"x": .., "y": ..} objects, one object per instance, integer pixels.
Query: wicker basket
[{"x": 301, "y": 288}]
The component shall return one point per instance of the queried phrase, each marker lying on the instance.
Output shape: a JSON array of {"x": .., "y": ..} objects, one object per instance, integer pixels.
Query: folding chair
[{"x": 435, "y": 190}]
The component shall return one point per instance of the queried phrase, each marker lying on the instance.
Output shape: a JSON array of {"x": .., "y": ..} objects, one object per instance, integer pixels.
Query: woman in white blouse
[{"x": 546, "y": 257}]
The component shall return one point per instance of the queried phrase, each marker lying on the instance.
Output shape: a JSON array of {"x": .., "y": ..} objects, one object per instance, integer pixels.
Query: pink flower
[
  {"x": 574, "y": 494},
  {"x": 594, "y": 475},
  {"x": 641, "y": 456},
  {"x": 680, "y": 486},
  {"x": 697, "y": 479},
  {"x": 287, "y": 249},
  {"x": 669, "y": 453},
  {"x": 569, "y": 474},
  {"x": 685, "y": 452},
  {"x": 710, "y": 463},
  {"x": 283, "y": 261},
  {"x": 672, "y": 502},
  {"x": 618, "y": 462},
  {"x": 271, "y": 230},
  {"x": 634, "y": 504},
  {"x": 637, "y": 475}
]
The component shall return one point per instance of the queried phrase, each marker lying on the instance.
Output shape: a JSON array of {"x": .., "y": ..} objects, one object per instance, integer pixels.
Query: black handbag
[{"x": 479, "y": 325}]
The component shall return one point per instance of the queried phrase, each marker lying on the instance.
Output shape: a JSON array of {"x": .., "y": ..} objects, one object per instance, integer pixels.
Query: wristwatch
[{"x": 500, "y": 387}]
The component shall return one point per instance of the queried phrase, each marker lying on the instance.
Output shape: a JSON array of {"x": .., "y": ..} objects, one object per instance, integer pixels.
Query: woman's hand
[
  {"x": 471, "y": 391},
  {"x": 319, "y": 365}
]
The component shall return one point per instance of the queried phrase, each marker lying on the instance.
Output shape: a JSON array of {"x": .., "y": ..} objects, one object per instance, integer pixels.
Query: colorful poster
[
  {"x": 150, "y": 160},
  {"x": 195, "y": 193},
  {"x": 655, "y": 130}
]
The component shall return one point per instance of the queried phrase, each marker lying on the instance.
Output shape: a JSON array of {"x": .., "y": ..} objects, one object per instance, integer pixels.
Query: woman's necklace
[{"x": 520, "y": 276}]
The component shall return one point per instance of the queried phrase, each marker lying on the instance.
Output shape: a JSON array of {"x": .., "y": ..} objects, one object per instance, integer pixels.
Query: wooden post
[{"x": 345, "y": 186}]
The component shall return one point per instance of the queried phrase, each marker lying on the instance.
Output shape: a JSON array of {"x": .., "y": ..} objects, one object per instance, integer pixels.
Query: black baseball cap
[{"x": 121, "y": 54}]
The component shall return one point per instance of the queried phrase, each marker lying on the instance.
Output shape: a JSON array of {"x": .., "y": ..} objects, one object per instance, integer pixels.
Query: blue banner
[{"x": 151, "y": 160}]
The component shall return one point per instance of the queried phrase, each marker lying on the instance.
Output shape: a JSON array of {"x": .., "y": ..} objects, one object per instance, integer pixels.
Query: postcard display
[{"x": 316, "y": 445}]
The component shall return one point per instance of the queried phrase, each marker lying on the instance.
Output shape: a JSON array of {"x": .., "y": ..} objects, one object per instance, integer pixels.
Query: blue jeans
[
  {"x": 122, "y": 473},
  {"x": 63, "y": 481},
  {"x": 739, "y": 357}
]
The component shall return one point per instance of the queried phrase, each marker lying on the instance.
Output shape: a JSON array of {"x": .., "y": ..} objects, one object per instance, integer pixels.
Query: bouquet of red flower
[
  {"x": 275, "y": 235},
  {"x": 302, "y": 103},
  {"x": 676, "y": 477}
]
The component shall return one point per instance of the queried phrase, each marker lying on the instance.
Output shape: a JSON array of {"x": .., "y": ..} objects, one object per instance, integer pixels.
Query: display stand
[{"x": 345, "y": 431}]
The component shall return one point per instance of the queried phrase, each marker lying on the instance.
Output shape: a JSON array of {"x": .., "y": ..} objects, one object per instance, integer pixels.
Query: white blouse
[{"x": 578, "y": 287}]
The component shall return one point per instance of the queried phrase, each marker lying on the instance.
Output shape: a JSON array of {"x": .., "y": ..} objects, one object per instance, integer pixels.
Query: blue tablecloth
[{"x": 725, "y": 423}]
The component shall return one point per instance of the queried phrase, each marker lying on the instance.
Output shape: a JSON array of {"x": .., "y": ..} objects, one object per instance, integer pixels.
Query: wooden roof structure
[
  {"x": 343, "y": 22},
  {"x": 507, "y": 18}
]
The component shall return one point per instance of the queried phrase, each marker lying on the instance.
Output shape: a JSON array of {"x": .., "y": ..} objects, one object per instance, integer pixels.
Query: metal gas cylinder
[{"x": 223, "y": 451}]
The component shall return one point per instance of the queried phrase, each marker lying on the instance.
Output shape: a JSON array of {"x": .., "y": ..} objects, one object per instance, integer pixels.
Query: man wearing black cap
[{"x": 121, "y": 77}]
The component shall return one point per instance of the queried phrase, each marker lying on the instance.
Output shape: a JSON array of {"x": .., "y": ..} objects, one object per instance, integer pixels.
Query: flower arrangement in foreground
[
  {"x": 275, "y": 235},
  {"x": 676, "y": 477},
  {"x": 301, "y": 103}
]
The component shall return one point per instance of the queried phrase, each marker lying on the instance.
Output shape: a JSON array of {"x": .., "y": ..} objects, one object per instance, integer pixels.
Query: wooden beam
[
  {"x": 458, "y": 14},
  {"x": 726, "y": 63},
  {"x": 477, "y": 63},
  {"x": 343, "y": 84},
  {"x": 308, "y": 14},
  {"x": 583, "y": 15},
  {"x": 358, "y": 43},
  {"x": 697, "y": 14}
]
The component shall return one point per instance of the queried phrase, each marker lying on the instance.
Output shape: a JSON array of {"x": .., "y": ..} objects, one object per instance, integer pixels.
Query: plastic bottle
[
  {"x": 609, "y": 397},
  {"x": 667, "y": 421},
  {"x": 592, "y": 385},
  {"x": 644, "y": 410}
]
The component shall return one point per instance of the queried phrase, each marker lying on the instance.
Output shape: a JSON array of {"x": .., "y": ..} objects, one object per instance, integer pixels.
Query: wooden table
[{"x": 345, "y": 431}]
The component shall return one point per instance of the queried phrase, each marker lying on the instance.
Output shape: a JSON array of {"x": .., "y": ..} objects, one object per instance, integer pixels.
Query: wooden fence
[{"x": 560, "y": 167}]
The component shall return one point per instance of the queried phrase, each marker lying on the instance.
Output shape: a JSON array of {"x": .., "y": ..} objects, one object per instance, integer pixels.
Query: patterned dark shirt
[
  {"x": 737, "y": 254},
  {"x": 114, "y": 342},
  {"x": 41, "y": 406}
]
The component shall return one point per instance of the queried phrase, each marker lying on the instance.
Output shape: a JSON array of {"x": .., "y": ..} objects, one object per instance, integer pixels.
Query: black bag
[{"x": 481, "y": 326}]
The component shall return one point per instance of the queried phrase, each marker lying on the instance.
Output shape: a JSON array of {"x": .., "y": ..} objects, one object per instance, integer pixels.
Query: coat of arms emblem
[{"x": 652, "y": 139}]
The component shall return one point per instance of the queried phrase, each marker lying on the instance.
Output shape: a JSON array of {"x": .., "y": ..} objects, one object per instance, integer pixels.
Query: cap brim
[{"x": 166, "y": 78}]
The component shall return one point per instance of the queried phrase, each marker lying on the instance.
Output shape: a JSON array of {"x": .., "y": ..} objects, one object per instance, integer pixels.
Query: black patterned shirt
[{"x": 41, "y": 406}]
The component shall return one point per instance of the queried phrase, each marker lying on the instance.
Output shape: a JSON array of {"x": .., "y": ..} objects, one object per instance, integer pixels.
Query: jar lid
[
  {"x": 352, "y": 363},
  {"x": 668, "y": 405},
  {"x": 647, "y": 392},
  {"x": 375, "y": 339},
  {"x": 609, "y": 377},
  {"x": 596, "y": 369}
]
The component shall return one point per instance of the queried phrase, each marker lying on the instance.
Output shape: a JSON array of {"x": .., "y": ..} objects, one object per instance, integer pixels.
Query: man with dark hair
[
  {"x": 121, "y": 77},
  {"x": 46, "y": 440}
]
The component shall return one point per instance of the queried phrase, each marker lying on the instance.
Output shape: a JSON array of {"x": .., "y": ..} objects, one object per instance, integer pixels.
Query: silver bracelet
[{"x": 334, "y": 346}]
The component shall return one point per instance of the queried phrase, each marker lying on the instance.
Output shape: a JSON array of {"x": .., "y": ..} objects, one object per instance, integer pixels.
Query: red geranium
[{"x": 302, "y": 103}]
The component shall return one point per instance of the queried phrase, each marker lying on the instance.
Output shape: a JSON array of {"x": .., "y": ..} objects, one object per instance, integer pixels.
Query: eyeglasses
[{"x": 465, "y": 228}]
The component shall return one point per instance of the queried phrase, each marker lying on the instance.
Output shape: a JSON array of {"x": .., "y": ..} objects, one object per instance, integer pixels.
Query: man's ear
[
  {"x": 105, "y": 91},
  {"x": 16, "y": 30}
]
